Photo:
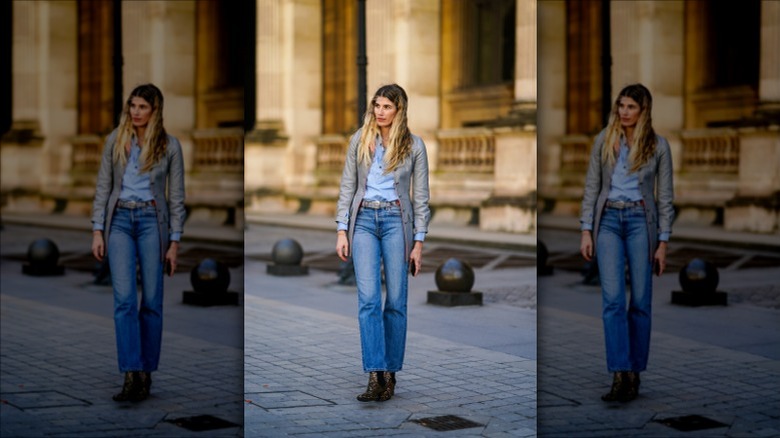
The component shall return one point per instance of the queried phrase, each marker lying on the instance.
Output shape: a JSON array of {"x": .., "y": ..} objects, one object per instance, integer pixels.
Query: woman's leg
[
  {"x": 366, "y": 256},
  {"x": 640, "y": 269},
  {"x": 396, "y": 282},
  {"x": 150, "y": 314},
  {"x": 122, "y": 262},
  {"x": 611, "y": 254}
]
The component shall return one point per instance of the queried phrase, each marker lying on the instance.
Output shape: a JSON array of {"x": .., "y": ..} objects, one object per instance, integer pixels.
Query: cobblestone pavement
[
  {"x": 58, "y": 357},
  {"x": 718, "y": 362},
  {"x": 302, "y": 365},
  {"x": 296, "y": 344}
]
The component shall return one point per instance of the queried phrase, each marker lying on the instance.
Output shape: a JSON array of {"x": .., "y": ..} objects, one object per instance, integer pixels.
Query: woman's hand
[
  {"x": 586, "y": 245},
  {"x": 659, "y": 262},
  {"x": 416, "y": 257},
  {"x": 98, "y": 247},
  {"x": 342, "y": 245},
  {"x": 170, "y": 257}
]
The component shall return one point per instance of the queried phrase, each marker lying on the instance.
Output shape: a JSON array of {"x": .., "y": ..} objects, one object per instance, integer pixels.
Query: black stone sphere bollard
[
  {"x": 42, "y": 259},
  {"x": 454, "y": 278},
  {"x": 286, "y": 257},
  {"x": 699, "y": 281},
  {"x": 699, "y": 276},
  {"x": 210, "y": 277},
  {"x": 210, "y": 280},
  {"x": 542, "y": 254}
]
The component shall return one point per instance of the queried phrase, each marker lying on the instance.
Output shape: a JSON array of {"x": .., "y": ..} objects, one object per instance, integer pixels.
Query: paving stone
[
  {"x": 63, "y": 345},
  {"x": 440, "y": 376}
]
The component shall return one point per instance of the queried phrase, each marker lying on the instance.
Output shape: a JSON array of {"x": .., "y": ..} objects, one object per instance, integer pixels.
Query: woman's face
[
  {"x": 384, "y": 111},
  {"x": 140, "y": 111},
  {"x": 628, "y": 110}
]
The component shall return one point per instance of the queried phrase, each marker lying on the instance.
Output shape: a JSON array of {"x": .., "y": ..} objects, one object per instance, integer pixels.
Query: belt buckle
[
  {"x": 373, "y": 204},
  {"x": 620, "y": 204},
  {"x": 130, "y": 204}
]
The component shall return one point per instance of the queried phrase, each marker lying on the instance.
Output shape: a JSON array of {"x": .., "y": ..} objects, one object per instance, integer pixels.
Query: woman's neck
[
  {"x": 139, "y": 134},
  {"x": 629, "y": 134},
  {"x": 385, "y": 133}
]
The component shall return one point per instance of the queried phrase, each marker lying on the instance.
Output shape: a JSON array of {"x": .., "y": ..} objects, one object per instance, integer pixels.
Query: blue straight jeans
[
  {"x": 134, "y": 234},
  {"x": 379, "y": 236},
  {"x": 622, "y": 237}
]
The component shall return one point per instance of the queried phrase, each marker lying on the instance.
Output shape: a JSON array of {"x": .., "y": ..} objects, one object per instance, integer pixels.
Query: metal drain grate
[
  {"x": 689, "y": 423},
  {"x": 447, "y": 422},
  {"x": 200, "y": 423}
]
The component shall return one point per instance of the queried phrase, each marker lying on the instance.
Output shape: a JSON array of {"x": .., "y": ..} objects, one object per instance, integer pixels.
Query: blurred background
[
  {"x": 713, "y": 70},
  {"x": 70, "y": 66},
  {"x": 468, "y": 67}
]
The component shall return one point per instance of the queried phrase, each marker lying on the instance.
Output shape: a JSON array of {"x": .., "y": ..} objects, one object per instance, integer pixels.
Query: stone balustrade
[
  {"x": 710, "y": 151},
  {"x": 85, "y": 159},
  {"x": 470, "y": 150},
  {"x": 86, "y": 155},
  {"x": 218, "y": 150},
  {"x": 331, "y": 151}
]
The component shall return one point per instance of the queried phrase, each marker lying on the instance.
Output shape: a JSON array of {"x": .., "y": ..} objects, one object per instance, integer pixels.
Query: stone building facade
[
  {"x": 72, "y": 65},
  {"x": 714, "y": 71},
  {"x": 469, "y": 69}
]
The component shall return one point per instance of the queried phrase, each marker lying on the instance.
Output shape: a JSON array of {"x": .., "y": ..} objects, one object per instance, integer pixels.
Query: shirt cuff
[
  {"x": 663, "y": 237},
  {"x": 586, "y": 226},
  {"x": 97, "y": 227},
  {"x": 176, "y": 237},
  {"x": 420, "y": 237},
  {"x": 342, "y": 227}
]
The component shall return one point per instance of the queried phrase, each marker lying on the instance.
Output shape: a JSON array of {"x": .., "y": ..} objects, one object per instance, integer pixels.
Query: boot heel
[
  {"x": 618, "y": 390},
  {"x": 129, "y": 388},
  {"x": 374, "y": 390},
  {"x": 389, "y": 391}
]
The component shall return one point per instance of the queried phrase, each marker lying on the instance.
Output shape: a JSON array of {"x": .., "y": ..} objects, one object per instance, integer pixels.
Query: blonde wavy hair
[
  {"x": 642, "y": 144},
  {"x": 155, "y": 138},
  {"x": 399, "y": 145}
]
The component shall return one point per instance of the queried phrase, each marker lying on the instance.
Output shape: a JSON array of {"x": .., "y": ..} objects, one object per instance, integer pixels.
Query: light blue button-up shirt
[
  {"x": 380, "y": 186},
  {"x": 136, "y": 185},
  {"x": 625, "y": 185}
]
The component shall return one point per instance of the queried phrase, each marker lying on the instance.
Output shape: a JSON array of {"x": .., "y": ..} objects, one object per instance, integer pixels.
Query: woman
[
  {"x": 379, "y": 219},
  {"x": 132, "y": 218},
  {"x": 628, "y": 221}
]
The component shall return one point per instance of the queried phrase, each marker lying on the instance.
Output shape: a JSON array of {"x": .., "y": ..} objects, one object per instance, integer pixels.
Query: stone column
[
  {"x": 769, "y": 74},
  {"x": 265, "y": 146},
  {"x": 381, "y": 50},
  {"x": 301, "y": 90},
  {"x": 647, "y": 46},
  {"x": 269, "y": 73},
  {"x": 756, "y": 207},
  {"x": 158, "y": 44},
  {"x": 403, "y": 41},
  {"x": 418, "y": 47},
  {"x": 36, "y": 151},
  {"x": 512, "y": 204},
  {"x": 551, "y": 119},
  {"x": 525, "y": 59},
  {"x": 648, "y": 42},
  {"x": 22, "y": 145}
]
